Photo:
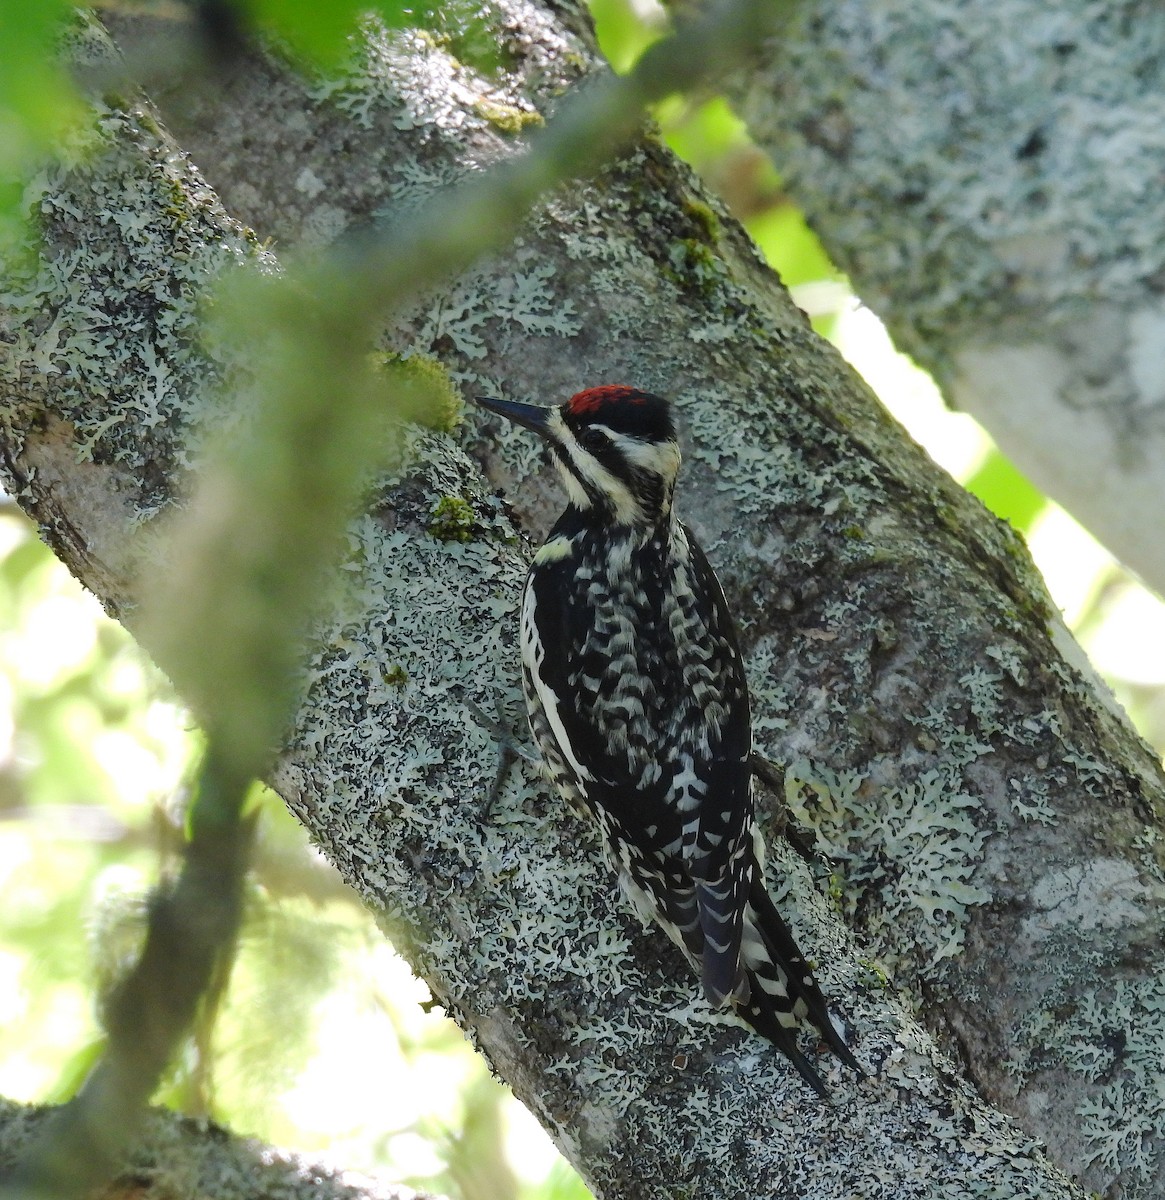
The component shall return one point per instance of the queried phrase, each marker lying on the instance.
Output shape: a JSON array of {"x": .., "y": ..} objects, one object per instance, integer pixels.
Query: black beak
[{"x": 529, "y": 415}]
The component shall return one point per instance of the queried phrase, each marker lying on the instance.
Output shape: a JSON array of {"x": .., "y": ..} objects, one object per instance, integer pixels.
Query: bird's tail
[{"x": 783, "y": 993}]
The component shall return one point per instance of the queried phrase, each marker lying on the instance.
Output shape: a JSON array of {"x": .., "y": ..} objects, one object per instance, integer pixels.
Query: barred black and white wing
[
  {"x": 714, "y": 794},
  {"x": 638, "y": 702}
]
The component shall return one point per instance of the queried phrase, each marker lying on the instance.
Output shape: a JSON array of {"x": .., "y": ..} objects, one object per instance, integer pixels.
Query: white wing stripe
[{"x": 534, "y": 652}]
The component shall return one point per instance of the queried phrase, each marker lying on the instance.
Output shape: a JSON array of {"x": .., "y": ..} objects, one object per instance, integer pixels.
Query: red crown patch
[{"x": 596, "y": 398}]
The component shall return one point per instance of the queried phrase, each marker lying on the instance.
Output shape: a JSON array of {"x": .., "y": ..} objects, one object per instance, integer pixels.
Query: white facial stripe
[
  {"x": 627, "y": 508},
  {"x": 574, "y": 489},
  {"x": 534, "y": 652},
  {"x": 622, "y": 500},
  {"x": 558, "y": 431},
  {"x": 662, "y": 460}
]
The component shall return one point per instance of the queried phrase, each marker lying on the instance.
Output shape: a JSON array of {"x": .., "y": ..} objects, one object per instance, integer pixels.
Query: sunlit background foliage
[{"x": 93, "y": 750}]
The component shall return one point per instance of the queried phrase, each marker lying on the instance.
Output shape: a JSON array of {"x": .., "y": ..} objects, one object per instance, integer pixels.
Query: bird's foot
[{"x": 501, "y": 729}]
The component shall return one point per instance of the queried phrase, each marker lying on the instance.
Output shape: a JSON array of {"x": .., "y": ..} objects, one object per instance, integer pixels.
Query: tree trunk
[
  {"x": 989, "y": 178},
  {"x": 991, "y": 815}
]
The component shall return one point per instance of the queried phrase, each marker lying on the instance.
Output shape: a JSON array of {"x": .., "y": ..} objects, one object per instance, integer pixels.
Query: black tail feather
[
  {"x": 763, "y": 1020},
  {"x": 800, "y": 983}
]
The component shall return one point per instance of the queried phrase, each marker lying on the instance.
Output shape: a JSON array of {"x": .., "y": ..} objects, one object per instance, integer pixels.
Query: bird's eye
[{"x": 593, "y": 440}]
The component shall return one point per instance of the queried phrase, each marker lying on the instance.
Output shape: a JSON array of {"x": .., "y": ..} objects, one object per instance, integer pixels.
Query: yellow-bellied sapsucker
[{"x": 639, "y": 705}]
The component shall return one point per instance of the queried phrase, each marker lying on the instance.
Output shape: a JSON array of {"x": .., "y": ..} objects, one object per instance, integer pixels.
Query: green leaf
[
  {"x": 320, "y": 31},
  {"x": 37, "y": 99},
  {"x": 790, "y": 246},
  {"x": 28, "y": 37},
  {"x": 1007, "y": 492},
  {"x": 623, "y": 33}
]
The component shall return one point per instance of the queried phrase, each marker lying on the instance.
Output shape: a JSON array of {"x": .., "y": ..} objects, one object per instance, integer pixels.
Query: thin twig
[{"x": 773, "y": 778}]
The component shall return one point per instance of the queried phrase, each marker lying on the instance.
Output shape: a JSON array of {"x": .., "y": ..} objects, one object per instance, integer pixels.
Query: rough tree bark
[
  {"x": 988, "y": 174},
  {"x": 992, "y": 817}
]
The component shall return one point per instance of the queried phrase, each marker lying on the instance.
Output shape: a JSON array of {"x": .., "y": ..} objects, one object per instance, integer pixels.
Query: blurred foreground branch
[{"x": 189, "y": 940}]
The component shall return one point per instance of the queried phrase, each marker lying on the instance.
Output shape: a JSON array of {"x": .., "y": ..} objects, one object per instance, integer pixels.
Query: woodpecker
[{"x": 638, "y": 703}]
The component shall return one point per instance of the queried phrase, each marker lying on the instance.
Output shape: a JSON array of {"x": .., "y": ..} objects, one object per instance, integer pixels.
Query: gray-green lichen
[
  {"x": 102, "y": 309},
  {"x": 989, "y": 186},
  {"x": 1109, "y": 1032},
  {"x": 906, "y": 854},
  {"x": 450, "y": 92},
  {"x": 867, "y": 131}
]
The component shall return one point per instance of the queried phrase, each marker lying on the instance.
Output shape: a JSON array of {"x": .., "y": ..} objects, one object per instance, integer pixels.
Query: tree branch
[
  {"x": 990, "y": 187},
  {"x": 180, "y": 1159}
]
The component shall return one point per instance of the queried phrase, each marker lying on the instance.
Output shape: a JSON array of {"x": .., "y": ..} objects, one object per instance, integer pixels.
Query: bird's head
[{"x": 614, "y": 446}]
